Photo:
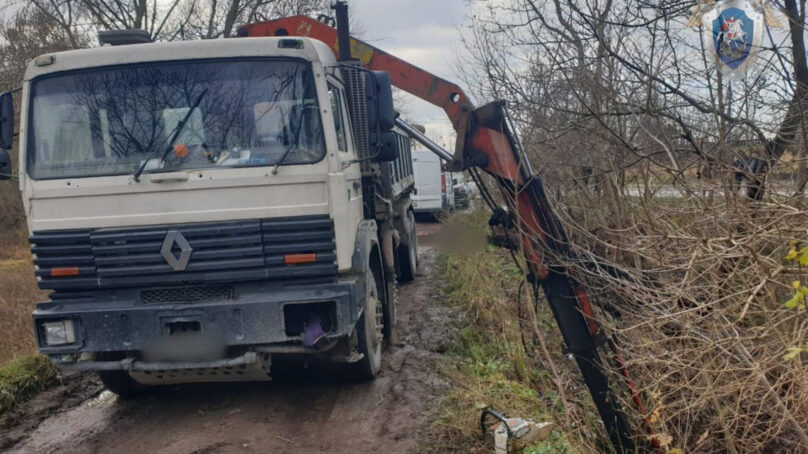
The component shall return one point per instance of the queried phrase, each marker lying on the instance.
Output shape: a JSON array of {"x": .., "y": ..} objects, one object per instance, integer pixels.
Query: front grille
[
  {"x": 221, "y": 253},
  {"x": 197, "y": 294}
]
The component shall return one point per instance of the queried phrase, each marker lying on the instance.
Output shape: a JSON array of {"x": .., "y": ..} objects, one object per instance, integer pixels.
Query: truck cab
[{"x": 199, "y": 208}]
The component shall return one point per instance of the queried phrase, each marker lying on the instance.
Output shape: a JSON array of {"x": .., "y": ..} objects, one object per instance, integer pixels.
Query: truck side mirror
[
  {"x": 5, "y": 165},
  {"x": 386, "y": 146},
  {"x": 379, "y": 93},
  {"x": 6, "y": 121}
]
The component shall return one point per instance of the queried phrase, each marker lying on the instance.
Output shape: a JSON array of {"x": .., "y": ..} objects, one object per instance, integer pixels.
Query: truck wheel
[
  {"x": 121, "y": 383},
  {"x": 369, "y": 331},
  {"x": 408, "y": 253}
]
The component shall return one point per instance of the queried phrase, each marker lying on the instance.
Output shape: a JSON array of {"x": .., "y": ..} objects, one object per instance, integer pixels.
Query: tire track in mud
[{"x": 308, "y": 412}]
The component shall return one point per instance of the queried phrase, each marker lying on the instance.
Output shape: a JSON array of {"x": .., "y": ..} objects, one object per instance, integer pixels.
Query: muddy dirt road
[{"x": 307, "y": 413}]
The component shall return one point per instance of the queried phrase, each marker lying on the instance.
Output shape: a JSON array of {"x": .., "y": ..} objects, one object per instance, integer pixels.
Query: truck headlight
[{"x": 60, "y": 332}]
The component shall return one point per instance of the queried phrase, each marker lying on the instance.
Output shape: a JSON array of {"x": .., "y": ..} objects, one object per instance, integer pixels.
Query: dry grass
[
  {"x": 14, "y": 245},
  {"x": 12, "y": 214},
  {"x": 22, "y": 372},
  {"x": 18, "y": 289},
  {"x": 18, "y": 295},
  {"x": 489, "y": 364}
]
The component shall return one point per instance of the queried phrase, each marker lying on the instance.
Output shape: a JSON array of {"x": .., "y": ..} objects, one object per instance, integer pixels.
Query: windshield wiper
[
  {"x": 294, "y": 146},
  {"x": 283, "y": 158},
  {"x": 177, "y": 130}
]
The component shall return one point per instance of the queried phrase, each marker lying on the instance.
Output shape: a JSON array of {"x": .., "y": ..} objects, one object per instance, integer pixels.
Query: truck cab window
[
  {"x": 114, "y": 120},
  {"x": 338, "y": 112}
]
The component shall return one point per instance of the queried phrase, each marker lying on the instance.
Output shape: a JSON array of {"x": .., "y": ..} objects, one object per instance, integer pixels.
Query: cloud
[
  {"x": 422, "y": 32},
  {"x": 399, "y": 17}
]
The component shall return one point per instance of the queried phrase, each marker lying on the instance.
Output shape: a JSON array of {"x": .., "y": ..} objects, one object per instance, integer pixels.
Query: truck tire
[
  {"x": 408, "y": 253},
  {"x": 369, "y": 333},
  {"x": 121, "y": 383}
]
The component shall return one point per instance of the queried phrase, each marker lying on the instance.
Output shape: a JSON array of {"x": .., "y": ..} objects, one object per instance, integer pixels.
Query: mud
[{"x": 306, "y": 412}]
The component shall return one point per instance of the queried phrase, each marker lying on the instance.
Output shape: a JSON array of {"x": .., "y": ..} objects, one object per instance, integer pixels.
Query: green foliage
[
  {"x": 22, "y": 378},
  {"x": 798, "y": 300},
  {"x": 556, "y": 444},
  {"x": 799, "y": 256},
  {"x": 794, "y": 352}
]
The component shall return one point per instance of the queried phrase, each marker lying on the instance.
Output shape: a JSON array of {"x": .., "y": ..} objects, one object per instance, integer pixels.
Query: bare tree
[
  {"x": 24, "y": 36},
  {"x": 62, "y": 13},
  {"x": 176, "y": 19}
]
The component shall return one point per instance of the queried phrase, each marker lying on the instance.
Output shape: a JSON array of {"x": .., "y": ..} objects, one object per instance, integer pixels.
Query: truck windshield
[{"x": 112, "y": 121}]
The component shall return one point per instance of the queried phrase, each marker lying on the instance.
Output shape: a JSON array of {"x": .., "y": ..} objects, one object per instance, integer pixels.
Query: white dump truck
[{"x": 200, "y": 208}]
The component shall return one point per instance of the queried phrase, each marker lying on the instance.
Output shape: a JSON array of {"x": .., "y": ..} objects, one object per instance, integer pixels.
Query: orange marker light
[
  {"x": 62, "y": 272},
  {"x": 297, "y": 259},
  {"x": 181, "y": 150}
]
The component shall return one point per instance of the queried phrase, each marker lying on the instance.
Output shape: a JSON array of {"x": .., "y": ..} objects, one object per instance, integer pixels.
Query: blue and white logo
[
  {"x": 734, "y": 29},
  {"x": 733, "y": 35}
]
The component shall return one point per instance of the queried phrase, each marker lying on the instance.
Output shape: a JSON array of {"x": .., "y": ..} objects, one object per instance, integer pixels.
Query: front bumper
[
  {"x": 132, "y": 365},
  {"x": 256, "y": 317}
]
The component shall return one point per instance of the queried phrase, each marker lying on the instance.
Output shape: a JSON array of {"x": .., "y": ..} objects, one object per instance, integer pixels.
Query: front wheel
[{"x": 369, "y": 333}]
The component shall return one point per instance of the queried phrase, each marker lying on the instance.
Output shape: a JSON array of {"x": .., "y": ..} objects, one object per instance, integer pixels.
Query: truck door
[{"x": 348, "y": 171}]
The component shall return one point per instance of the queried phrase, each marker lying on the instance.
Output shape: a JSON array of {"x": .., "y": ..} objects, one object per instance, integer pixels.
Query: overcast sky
[{"x": 423, "y": 32}]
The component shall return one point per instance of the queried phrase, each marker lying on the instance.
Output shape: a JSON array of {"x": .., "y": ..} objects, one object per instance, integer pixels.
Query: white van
[{"x": 431, "y": 193}]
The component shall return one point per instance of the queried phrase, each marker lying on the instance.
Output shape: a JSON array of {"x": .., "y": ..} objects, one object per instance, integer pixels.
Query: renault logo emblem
[{"x": 177, "y": 263}]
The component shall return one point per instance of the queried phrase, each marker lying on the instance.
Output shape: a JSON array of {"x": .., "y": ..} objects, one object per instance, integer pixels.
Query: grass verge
[
  {"x": 23, "y": 378},
  {"x": 18, "y": 296},
  {"x": 22, "y": 373},
  {"x": 488, "y": 364}
]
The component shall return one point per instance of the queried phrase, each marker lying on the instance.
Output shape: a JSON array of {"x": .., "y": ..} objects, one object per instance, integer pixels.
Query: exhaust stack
[{"x": 343, "y": 30}]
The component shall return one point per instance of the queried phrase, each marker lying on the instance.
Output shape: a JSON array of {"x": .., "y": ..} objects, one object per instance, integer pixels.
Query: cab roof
[{"x": 312, "y": 50}]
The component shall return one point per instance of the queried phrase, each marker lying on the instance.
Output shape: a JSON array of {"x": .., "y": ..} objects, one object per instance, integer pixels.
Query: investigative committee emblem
[{"x": 733, "y": 30}]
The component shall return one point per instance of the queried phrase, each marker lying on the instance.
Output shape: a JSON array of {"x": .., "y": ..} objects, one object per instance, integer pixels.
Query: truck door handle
[{"x": 168, "y": 177}]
